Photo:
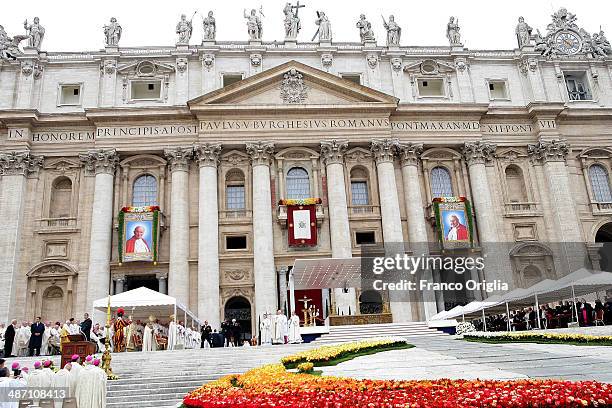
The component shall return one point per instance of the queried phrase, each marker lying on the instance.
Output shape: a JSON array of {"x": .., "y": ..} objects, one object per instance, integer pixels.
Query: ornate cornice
[
  {"x": 100, "y": 161},
  {"x": 333, "y": 151},
  {"x": 409, "y": 153},
  {"x": 260, "y": 153},
  {"x": 548, "y": 151},
  {"x": 384, "y": 150},
  {"x": 20, "y": 163},
  {"x": 478, "y": 152},
  {"x": 178, "y": 158},
  {"x": 207, "y": 155}
]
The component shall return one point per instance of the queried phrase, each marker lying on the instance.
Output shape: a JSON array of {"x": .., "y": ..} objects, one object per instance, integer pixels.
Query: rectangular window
[
  {"x": 236, "y": 242},
  {"x": 356, "y": 78},
  {"x": 145, "y": 90},
  {"x": 229, "y": 79},
  {"x": 497, "y": 90},
  {"x": 431, "y": 87},
  {"x": 70, "y": 94},
  {"x": 365, "y": 238},
  {"x": 359, "y": 193},
  {"x": 577, "y": 87},
  {"x": 234, "y": 198}
]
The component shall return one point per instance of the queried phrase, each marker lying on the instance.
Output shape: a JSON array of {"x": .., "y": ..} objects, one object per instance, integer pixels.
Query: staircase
[
  {"x": 341, "y": 334},
  {"x": 162, "y": 378}
]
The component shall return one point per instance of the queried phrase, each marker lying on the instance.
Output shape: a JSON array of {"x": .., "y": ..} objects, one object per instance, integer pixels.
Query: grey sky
[{"x": 77, "y": 25}]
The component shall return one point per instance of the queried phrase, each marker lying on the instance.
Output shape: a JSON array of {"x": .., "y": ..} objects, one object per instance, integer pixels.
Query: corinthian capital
[
  {"x": 478, "y": 152},
  {"x": 179, "y": 157},
  {"x": 548, "y": 151},
  {"x": 384, "y": 150},
  {"x": 100, "y": 161},
  {"x": 410, "y": 153},
  {"x": 260, "y": 153},
  {"x": 208, "y": 154},
  {"x": 19, "y": 163},
  {"x": 333, "y": 150}
]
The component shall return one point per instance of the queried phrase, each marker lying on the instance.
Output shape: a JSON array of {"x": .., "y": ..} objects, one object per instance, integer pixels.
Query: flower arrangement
[
  {"x": 325, "y": 354},
  {"x": 305, "y": 367},
  {"x": 148, "y": 208},
  {"x": 303, "y": 201},
  {"x": 540, "y": 337},
  {"x": 465, "y": 327},
  {"x": 273, "y": 386}
]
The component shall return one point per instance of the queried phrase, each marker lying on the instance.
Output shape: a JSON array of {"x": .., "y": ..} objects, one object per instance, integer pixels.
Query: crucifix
[
  {"x": 297, "y": 7},
  {"x": 305, "y": 309}
]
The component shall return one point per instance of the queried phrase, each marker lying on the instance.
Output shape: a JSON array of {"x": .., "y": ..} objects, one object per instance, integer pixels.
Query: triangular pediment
[{"x": 293, "y": 85}]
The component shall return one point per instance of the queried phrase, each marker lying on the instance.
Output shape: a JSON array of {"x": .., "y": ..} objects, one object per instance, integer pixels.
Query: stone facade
[{"x": 516, "y": 136}]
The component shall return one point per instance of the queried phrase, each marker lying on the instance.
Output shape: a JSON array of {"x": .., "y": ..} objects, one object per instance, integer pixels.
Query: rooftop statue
[
  {"x": 394, "y": 31},
  {"x": 112, "y": 33},
  {"x": 324, "y": 31},
  {"x": 184, "y": 28},
  {"x": 523, "y": 33},
  {"x": 210, "y": 27},
  {"x": 452, "y": 31},
  {"x": 292, "y": 21},
  {"x": 254, "y": 25},
  {"x": 365, "y": 29},
  {"x": 35, "y": 33}
]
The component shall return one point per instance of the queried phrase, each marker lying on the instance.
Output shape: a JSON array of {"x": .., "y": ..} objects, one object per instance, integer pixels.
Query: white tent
[{"x": 143, "y": 302}]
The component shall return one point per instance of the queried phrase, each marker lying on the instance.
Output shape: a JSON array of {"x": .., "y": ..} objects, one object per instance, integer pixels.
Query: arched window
[
  {"x": 298, "y": 183},
  {"x": 441, "y": 185},
  {"x": 61, "y": 197},
  {"x": 234, "y": 191},
  {"x": 359, "y": 187},
  {"x": 517, "y": 193},
  {"x": 600, "y": 183},
  {"x": 145, "y": 191}
]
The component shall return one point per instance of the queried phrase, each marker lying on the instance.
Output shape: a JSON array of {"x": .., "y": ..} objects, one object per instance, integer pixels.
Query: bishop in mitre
[
  {"x": 294, "y": 329},
  {"x": 147, "y": 338}
]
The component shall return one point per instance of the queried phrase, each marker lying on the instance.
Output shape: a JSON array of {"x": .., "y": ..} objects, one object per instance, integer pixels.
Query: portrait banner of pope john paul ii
[{"x": 138, "y": 236}]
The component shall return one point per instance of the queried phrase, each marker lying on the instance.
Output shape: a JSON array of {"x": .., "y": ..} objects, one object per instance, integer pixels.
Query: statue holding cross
[{"x": 292, "y": 21}]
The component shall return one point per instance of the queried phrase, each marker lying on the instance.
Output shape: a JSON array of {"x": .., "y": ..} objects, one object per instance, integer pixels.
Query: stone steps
[{"x": 339, "y": 334}]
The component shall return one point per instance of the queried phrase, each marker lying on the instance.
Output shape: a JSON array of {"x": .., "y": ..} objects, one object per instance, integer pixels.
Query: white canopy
[
  {"x": 577, "y": 283},
  {"x": 143, "y": 302}
]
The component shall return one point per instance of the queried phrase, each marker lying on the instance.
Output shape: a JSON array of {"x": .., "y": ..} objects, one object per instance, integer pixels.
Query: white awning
[
  {"x": 143, "y": 302},
  {"x": 324, "y": 273}
]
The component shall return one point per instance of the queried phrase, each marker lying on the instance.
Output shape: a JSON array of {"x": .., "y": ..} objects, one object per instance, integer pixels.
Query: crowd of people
[
  {"x": 551, "y": 316},
  {"x": 77, "y": 384},
  {"x": 126, "y": 334}
]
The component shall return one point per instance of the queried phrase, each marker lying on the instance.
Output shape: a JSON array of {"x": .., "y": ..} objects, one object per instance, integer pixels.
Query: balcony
[
  {"x": 363, "y": 211},
  {"x": 234, "y": 214},
  {"x": 521, "y": 209},
  {"x": 62, "y": 224},
  {"x": 281, "y": 214},
  {"x": 601, "y": 207}
]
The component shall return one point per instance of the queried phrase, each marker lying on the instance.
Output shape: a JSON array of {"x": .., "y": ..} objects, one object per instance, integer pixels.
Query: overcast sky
[{"x": 77, "y": 25}]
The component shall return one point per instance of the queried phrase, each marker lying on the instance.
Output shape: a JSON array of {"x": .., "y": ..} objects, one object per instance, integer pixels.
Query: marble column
[
  {"x": 568, "y": 229},
  {"x": 119, "y": 284},
  {"x": 261, "y": 154},
  {"x": 282, "y": 289},
  {"x": 332, "y": 152},
  {"x": 102, "y": 164},
  {"x": 393, "y": 237},
  {"x": 410, "y": 154},
  {"x": 15, "y": 167},
  {"x": 162, "y": 279},
  {"x": 207, "y": 156},
  {"x": 494, "y": 249},
  {"x": 178, "y": 272}
]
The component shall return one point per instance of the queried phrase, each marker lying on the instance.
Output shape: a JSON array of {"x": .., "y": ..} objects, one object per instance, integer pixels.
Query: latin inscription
[
  {"x": 289, "y": 124},
  {"x": 145, "y": 131}
]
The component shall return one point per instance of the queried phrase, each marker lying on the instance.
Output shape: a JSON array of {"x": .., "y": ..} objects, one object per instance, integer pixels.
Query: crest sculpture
[{"x": 293, "y": 88}]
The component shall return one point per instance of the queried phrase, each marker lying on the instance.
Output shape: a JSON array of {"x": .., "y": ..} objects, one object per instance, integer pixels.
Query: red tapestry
[{"x": 302, "y": 225}]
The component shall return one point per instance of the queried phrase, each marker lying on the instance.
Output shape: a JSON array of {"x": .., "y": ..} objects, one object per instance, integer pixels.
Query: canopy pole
[
  {"x": 508, "y": 317},
  {"x": 484, "y": 320},
  {"x": 537, "y": 305},
  {"x": 175, "y": 316},
  {"x": 575, "y": 307},
  {"x": 463, "y": 317},
  {"x": 291, "y": 292}
]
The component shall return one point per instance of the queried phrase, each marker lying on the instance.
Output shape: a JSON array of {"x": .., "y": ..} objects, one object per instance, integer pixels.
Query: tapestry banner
[{"x": 138, "y": 234}]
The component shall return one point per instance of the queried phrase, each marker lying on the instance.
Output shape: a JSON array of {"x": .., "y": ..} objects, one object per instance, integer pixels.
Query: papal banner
[
  {"x": 302, "y": 221},
  {"x": 138, "y": 234},
  {"x": 454, "y": 221}
]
